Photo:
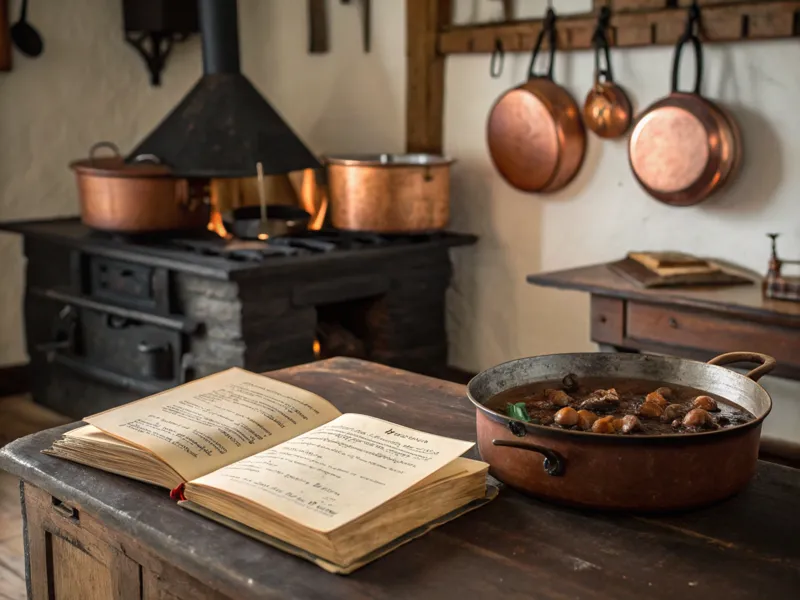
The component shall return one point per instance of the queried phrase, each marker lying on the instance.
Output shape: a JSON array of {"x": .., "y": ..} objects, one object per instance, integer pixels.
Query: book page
[
  {"x": 337, "y": 472},
  {"x": 203, "y": 425}
]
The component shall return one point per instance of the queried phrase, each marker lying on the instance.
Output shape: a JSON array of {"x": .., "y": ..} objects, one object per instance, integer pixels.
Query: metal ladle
[
  {"x": 263, "y": 227},
  {"x": 26, "y": 38}
]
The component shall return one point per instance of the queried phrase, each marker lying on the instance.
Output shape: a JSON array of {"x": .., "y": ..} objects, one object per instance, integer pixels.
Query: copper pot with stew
[{"x": 622, "y": 431}]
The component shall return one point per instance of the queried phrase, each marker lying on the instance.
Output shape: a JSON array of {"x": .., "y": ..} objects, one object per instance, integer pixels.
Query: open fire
[{"x": 225, "y": 195}]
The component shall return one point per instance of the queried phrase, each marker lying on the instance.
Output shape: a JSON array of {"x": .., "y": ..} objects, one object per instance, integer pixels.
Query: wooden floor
[{"x": 18, "y": 417}]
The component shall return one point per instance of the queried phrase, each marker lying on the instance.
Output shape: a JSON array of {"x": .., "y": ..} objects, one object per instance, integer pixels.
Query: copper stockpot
[
  {"x": 535, "y": 134},
  {"x": 389, "y": 193},
  {"x": 135, "y": 198},
  {"x": 623, "y": 472},
  {"x": 684, "y": 148}
]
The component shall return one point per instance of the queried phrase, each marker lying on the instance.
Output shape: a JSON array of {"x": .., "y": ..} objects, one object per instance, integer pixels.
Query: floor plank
[{"x": 19, "y": 416}]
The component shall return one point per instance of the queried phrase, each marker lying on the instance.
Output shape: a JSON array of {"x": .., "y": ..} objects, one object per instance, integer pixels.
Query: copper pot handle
[
  {"x": 554, "y": 464},
  {"x": 767, "y": 362},
  {"x": 108, "y": 145}
]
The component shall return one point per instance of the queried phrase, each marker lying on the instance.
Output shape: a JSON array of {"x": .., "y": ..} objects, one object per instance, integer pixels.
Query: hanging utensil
[
  {"x": 607, "y": 109},
  {"x": 366, "y": 22},
  {"x": 263, "y": 228},
  {"x": 25, "y": 37},
  {"x": 684, "y": 147},
  {"x": 317, "y": 27},
  {"x": 535, "y": 134}
]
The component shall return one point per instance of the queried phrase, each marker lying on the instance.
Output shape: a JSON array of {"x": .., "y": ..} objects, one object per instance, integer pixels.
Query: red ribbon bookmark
[{"x": 177, "y": 493}]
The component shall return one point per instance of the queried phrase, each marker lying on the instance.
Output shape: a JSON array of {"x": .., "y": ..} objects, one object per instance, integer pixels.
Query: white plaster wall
[{"x": 89, "y": 85}]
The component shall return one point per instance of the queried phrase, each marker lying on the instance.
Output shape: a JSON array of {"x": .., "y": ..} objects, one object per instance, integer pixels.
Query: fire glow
[{"x": 310, "y": 197}]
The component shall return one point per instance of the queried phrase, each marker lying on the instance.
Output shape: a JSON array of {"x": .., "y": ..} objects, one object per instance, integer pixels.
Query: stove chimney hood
[{"x": 224, "y": 126}]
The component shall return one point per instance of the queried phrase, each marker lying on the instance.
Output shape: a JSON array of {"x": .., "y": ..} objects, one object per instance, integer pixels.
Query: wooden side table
[{"x": 691, "y": 322}]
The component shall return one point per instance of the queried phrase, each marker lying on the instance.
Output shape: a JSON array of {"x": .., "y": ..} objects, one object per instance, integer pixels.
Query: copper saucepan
[
  {"x": 535, "y": 134},
  {"x": 636, "y": 472},
  {"x": 684, "y": 147},
  {"x": 607, "y": 109}
]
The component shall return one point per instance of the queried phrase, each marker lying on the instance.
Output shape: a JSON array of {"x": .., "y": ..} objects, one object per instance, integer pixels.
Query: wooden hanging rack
[{"x": 431, "y": 37}]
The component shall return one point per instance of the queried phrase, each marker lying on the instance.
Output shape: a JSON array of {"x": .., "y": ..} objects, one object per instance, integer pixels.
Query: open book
[{"x": 283, "y": 465}]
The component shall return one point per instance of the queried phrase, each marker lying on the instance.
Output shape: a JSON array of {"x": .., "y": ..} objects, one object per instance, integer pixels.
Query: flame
[
  {"x": 262, "y": 236},
  {"x": 215, "y": 223},
  {"x": 309, "y": 194},
  {"x": 317, "y": 350}
]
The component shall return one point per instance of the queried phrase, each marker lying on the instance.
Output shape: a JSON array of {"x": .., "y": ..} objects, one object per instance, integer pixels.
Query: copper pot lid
[
  {"x": 523, "y": 140},
  {"x": 115, "y": 166},
  {"x": 670, "y": 149}
]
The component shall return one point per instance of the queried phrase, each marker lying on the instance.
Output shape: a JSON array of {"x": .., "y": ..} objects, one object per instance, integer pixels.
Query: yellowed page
[
  {"x": 337, "y": 472},
  {"x": 201, "y": 426}
]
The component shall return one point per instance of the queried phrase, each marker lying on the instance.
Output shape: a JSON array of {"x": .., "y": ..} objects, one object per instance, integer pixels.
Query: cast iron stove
[{"x": 109, "y": 319}]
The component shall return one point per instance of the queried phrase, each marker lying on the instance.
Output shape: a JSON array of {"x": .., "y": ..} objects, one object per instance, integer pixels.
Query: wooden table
[
  {"x": 95, "y": 535},
  {"x": 697, "y": 322}
]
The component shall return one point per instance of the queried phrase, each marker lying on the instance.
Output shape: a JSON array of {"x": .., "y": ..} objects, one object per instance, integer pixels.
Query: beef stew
[{"x": 613, "y": 406}]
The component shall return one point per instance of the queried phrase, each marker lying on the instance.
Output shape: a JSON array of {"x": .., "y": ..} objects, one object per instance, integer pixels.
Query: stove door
[{"x": 127, "y": 349}]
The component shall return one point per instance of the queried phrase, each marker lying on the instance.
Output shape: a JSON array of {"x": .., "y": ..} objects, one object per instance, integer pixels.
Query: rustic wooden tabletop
[{"x": 515, "y": 547}]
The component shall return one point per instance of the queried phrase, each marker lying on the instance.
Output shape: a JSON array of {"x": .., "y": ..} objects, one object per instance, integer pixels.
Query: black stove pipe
[{"x": 219, "y": 24}]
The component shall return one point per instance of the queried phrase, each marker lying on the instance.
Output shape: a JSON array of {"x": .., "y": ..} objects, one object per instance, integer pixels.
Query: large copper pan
[
  {"x": 684, "y": 148},
  {"x": 636, "y": 472},
  {"x": 535, "y": 134}
]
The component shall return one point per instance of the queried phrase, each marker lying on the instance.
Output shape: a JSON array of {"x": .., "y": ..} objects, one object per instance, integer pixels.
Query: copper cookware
[
  {"x": 389, "y": 193},
  {"x": 135, "y": 198},
  {"x": 607, "y": 109},
  {"x": 623, "y": 472},
  {"x": 684, "y": 147},
  {"x": 535, "y": 134}
]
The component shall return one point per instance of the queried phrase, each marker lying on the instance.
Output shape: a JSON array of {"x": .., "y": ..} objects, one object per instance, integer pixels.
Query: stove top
[
  {"x": 307, "y": 243},
  {"x": 206, "y": 251}
]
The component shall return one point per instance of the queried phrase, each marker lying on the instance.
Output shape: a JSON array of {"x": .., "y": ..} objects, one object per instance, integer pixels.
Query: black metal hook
[
  {"x": 600, "y": 43},
  {"x": 690, "y": 34},
  {"x": 549, "y": 29},
  {"x": 497, "y": 60}
]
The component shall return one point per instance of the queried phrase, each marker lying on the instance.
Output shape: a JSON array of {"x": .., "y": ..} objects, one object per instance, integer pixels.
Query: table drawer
[{"x": 698, "y": 329}]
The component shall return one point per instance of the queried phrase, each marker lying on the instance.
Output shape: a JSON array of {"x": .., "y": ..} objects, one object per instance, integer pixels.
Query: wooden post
[{"x": 425, "y": 73}]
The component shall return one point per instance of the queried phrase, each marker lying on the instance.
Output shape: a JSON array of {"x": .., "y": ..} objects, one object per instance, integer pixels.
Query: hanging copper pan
[
  {"x": 607, "y": 110},
  {"x": 684, "y": 147},
  {"x": 535, "y": 134}
]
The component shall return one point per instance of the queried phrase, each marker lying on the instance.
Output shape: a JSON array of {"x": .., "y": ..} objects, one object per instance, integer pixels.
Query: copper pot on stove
[
  {"x": 142, "y": 197},
  {"x": 389, "y": 193}
]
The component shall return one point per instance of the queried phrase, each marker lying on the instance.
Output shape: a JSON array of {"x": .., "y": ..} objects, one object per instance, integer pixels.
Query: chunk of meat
[
  {"x": 566, "y": 417},
  {"x": 657, "y": 398},
  {"x": 586, "y": 419},
  {"x": 630, "y": 424},
  {"x": 707, "y": 403},
  {"x": 666, "y": 392},
  {"x": 604, "y": 425},
  {"x": 601, "y": 400},
  {"x": 698, "y": 418},
  {"x": 673, "y": 411},
  {"x": 557, "y": 397},
  {"x": 650, "y": 410}
]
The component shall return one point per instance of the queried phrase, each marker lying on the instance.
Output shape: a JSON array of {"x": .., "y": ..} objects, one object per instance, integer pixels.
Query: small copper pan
[
  {"x": 607, "y": 110},
  {"x": 684, "y": 147},
  {"x": 535, "y": 134}
]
